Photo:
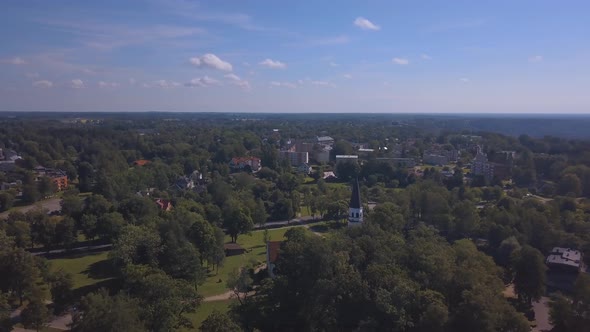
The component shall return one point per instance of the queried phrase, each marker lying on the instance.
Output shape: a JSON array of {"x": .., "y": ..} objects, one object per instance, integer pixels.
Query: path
[
  {"x": 51, "y": 205},
  {"x": 541, "y": 309}
]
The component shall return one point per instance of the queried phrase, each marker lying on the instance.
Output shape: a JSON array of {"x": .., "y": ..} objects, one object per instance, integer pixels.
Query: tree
[
  {"x": 259, "y": 215},
  {"x": 571, "y": 314},
  {"x": 219, "y": 322},
  {"x": 101, "y": 312},
  {"x": 6, "y": 201},
  {"x": 570, "y": 184},
  {"x": 61, "y": 284},
  {"x": 109, "y": 225},
  {"x": 136, "y": 245},
  {"x": 35, "y": 315},
  {"x": 46, "y": 186},
  {"x": 529, "y": 279},
  {"x": 237, "y": 221},
  {"x": 5, "y": 320}
]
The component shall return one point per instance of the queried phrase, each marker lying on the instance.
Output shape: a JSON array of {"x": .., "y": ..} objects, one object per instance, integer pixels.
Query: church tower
[{"x": 355, "y": 208}]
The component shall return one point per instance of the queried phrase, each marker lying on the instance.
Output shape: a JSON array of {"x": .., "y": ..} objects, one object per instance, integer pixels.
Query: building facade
[{"x": 355, "y": 207}]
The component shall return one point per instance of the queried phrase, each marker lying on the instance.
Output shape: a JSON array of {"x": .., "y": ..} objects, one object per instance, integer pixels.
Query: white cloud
[
  {"x": 202, "y": 82},
  {"x": 132, "y": 81},
  {"x": 283, "y": 84},
  {"x": 161, "y": 84},
  {"x": 333, "y": 64},
  {"x": 464, "y": 79},
  {"x": 32, "y": 75},
  {"x": 425, "y": 57},
  {"x": 347, "y": 76},
  {"x": 211, "y": 61},
  {"x": 103, "y": 84},
  {"x": 400, "y": 61},
  {"x": 77, "y": 84},
  {"x": 365, "y": 24},
  {"x": 273, "y": 64},
  {"x": 43, "y": 84},
  {"x": 14, "y": 61},
  {"x": 536, "y": 58},
  {"x": 322, "y": 83},
  {"x": 236, "y": 80}
]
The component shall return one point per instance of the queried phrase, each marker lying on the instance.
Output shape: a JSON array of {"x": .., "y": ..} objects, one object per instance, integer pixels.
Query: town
[{"x": 226, "y": 223}]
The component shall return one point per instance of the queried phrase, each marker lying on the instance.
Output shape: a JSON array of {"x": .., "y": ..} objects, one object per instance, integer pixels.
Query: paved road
[
  {"x": 541, "y": 309},
  {"x": 52, "y": 204},
  {"x": 85, "y": 248},
  {"x": 275, "y": 224}
]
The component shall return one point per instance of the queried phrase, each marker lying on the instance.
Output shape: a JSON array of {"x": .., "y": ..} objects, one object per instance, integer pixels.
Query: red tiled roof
[
  {"x": 273, "y": 248},
  {"x": 164, "y": 204},
  {"x": 141, "y": 162}
]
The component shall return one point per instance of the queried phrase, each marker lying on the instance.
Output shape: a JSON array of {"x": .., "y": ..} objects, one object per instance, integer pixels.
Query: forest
[{"x": 437, "y": 250}]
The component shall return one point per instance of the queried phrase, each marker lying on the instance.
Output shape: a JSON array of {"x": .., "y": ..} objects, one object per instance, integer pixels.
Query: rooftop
[
  {"x": 272, "y": 248},
  {"x": 564, "y": 256}
]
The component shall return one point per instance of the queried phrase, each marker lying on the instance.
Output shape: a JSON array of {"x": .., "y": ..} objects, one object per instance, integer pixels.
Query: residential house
[
  {"x": 304, "y": 168},
  {"x": 243, "y": 163},
  {"x": 185, "y": 183},
  {"x": 233, "y": 249},
  {"x": 59, "y": 177},
  {"x": 565, "y": 265},
  {"x": 164, "y": 204},
  {"x": 141, "y": 162}
]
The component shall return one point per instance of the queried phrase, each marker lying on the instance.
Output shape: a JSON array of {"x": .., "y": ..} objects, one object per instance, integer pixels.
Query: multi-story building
[
  {"x": 481, "y": 165},
  {"x": 295, "y": 158},
  {"x": 59, "y": 177},
  {"x": 435, "y": 159}
]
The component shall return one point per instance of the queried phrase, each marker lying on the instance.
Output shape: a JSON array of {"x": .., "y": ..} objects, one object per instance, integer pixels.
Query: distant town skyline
[{"x": 300, "y": 56}]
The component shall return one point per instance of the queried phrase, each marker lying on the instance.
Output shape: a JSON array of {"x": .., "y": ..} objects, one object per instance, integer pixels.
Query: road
[
  {"x": 85, "y": 248},
  {"x": 295, "y": 221},
  {"x": 51, "y": 205}
]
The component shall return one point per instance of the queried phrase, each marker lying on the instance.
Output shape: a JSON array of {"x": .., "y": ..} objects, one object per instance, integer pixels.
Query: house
[
  {"x": 565, "y": 265},
  {"x": 329, "y": 176},
  {"x": 323, "y": 155},
  {"x": 243, "y": 163},
  {"x": 564, "y": 259},
  {"x": 59, "y": 177},
  {"x": 272, "y": 254},
  {"x": 185, "y": 183},
  {"x": 233, "y": 249},
  {"x": 346, "y": 158},
  {"x": 304, "y": 168},
  {"x": 141, "y": 162},
  {"x": 164, "y": 204}
]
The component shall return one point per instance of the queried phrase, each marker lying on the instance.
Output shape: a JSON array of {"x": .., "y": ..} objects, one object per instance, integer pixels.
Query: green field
[
  {"x": 255, "y": 250},
  {"x": 204, "y": 310},
  {"x": 86, "y": 269}
]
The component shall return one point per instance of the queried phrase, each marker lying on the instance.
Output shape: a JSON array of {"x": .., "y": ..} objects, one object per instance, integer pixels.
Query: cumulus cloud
[
  {"x": 400, "y": 61},
  {"x": 43, "y": 84},
  {"x": 211, "y": 61},
  {"x": 425, "y": 57},
  {"x": 77, "y": 84},
  {"x": 201, "y": 82},
  {"x": 161, "y": 84},
  {"x": 236, "y": 80},
  {"x": 333, "y": 64},
  {"x": 322, "y": 83},
  {"x": 536, "y": 58},
  {"x": 14, "y": 61},
  {"x": 347, "y": 76},
  {"x": 32, "y": 75},
  {"x": 103, "y": 84},
  {"x": 283, "y": 84},
  {"x": 365, "y": 24},
  {"x": 273, "y": 64},
  {"x": 464, "y": 79}
]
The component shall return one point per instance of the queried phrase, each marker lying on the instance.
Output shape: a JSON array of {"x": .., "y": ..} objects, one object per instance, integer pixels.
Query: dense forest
[{"x": 435, "y": 252}]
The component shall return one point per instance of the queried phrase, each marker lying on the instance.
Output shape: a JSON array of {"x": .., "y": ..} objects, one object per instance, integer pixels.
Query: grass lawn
[
  {"x": 204, "y": 310},
  {"x": 87, "y": 269},
  {"x": 256, "y": 250}
]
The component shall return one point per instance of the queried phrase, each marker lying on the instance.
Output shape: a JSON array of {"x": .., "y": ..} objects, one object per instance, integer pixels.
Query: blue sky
[{"x": 295, "y": 56}]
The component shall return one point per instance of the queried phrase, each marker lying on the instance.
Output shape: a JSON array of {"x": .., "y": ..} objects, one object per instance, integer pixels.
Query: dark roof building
[{"x": 355, "y": 207}]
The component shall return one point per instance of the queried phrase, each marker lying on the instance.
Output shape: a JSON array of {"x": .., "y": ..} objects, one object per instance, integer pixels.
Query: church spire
[{"x": 355, "y": 208}]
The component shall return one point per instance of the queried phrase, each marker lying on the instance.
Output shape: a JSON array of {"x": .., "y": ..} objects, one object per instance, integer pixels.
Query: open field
[
  {"x": 255, "y": 251},
  {"x": 87, "y": 269}
]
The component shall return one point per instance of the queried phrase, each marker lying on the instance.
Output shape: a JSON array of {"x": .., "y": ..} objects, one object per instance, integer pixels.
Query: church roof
[{"x": 355, "y": 199}]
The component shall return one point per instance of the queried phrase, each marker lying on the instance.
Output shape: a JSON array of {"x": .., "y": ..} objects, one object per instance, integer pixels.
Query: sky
[{"x": 342, "y": 56}]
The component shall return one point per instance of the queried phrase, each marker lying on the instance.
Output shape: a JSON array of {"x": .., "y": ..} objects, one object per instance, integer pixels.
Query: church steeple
[{"x": 355, "y": 208}]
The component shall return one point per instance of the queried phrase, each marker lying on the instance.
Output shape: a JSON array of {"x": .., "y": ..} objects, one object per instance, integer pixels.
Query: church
[{"x": 355, "y": 207}]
